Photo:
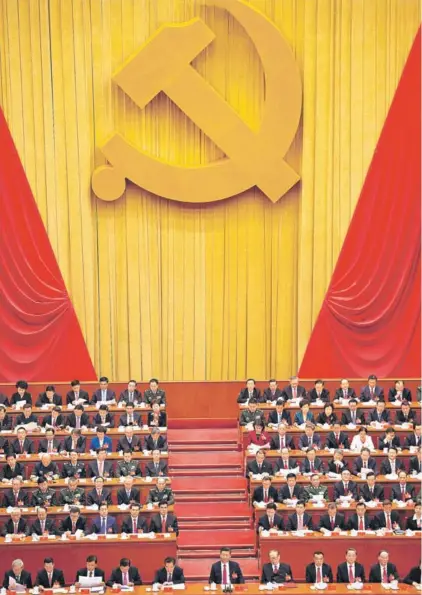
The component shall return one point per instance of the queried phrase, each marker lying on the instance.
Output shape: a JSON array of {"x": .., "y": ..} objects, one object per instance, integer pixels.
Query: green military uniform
[
  {"x": 310, "y": 491},
  {"x": 247, "y": 417},
  {"x": 166, "y": 495},
  {"x": 70, "y": 470},
  {"x": 159, "y": 396},
  {"x": 47, "y": 498},
  {"x": 132, "y": 468},
  {"x": 72, "y": 497}
]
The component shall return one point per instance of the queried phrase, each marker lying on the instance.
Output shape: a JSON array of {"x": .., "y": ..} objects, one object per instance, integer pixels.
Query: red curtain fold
[
  {"x": 370, "y": 320},
  {"x": 41, "y": 339}
]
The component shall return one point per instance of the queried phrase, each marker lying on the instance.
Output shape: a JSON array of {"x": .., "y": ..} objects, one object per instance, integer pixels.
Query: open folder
[{"x": 90, "y": 581}]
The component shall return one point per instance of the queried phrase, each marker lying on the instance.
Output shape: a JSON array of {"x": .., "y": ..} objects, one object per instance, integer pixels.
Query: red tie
[
  {"x": 361, "y": 525},
  {"x": 225, "y": 578},
  {"x": 346, "y": 489},
  {"x": 351, "y": 575},
  {"x": 125, "y": 581},
  {"x": 294, "y": 392},
  {"x": 17, "y": 498},
  {"x": 403, "y": 493},
  {"x": 312, "y": 467},
  {"x": 21, "y": 443},
  {"x": 134, "y": 528},
  {"x": 318, "y": 575},
  {"x": 272, "y": 522},
  {"x": 333, "y": 523},
  {"x": 286, "y": 464},
  {"x": 388, "y": 521},
  {"x": 163, "y": 524},
  {"x": 385, "y": 575},
  {"x": 73, "y": 526},
  {"x": 265, "y": 495}
]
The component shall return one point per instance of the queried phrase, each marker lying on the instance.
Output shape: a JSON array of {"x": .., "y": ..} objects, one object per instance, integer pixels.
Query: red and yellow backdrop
[{"x": 209, "y": 291}]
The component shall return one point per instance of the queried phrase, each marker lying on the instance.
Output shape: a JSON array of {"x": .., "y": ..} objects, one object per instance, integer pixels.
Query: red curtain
[
  {"x": 40, "y": 337},
  {"x": 370, "y": 320}
]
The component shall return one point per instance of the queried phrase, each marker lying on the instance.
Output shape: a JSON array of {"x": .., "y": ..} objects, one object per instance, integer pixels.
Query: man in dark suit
[
  {"x": 266, "y": 492},
  {"x": 156, "y": 467},
  {"x": 371, "y": 492},
  {"x": 272, "y": 393},
  {"x": 76, "y": 393},
  {"x": 226, "y": 571},
  {"x": 103, "y": 417},
  {"x": 279, "y": 415},
  {"x": 414, "y": 439},
  {"x": 17, "y": 575},
  {"x": 360, "y": 521},
  {"x": 104, "y": 524},
  {"x": 270, "y": 520},
  {"x": 285, "y": 461},
  {"x": 75, "y": 442},
  {"x": 318, "y": 571},
  {"x": 164, "y": 522},
  {"x": 281, "y": 440},
  {"x": 299, "y": 520},
  {"x": 309, "y": 439},
  {"x": 50, "y": 577},
  {"x": 78, "y": 419},
  {"x": 16, "y": 525},
  {"x": 345, "y": 487},
  {"x": 350, "y": 571},
  {"x": 333, "y": 520},
  {"x": 389, "y": 440},
  {"x": 275, "y": 571},
  {"x": 154, "y": 393},
  {"x": 134, "y": 523},
  {"x": 364, "y": 461},
  {"x": 22, "y": 444},
  {"x": 155, "y": 441},
  {"x": 12, "y": 468},
  {"x": 49, "y": 397},
  {"x": 291, "y": 490},
  {"x": 128, "y": 494},
  {"x": 415, "y": 464},
  {"x": 345, "y": 391},
  {"x": 391, "y": 464},
  {"x": 43, "y": 525},
  {"x": 131, "y": 394},
  {"x": 125, "y": 574},
  {"x": 388, "y": 518},
  {"x": 337, "y": 438},
  {"x": 170, "y": 573},
  {"x": 380, "y": 414},
  {"x": 406, "y": 414},
  {"x": 371, "y": 391},
  {"x": 27, "y": 416},
  {"x": 294, "y": 390},
  {"x": 403, "y": 491},
  {"x": 399, "y": 392},
  {"x": 103, "y": 394},
  {"x": 16, "y": 496},
  {"x": 129, "y": 441},
  {"x": 319, "y": 392},
  {"x": 130, "y": 417},
  {"x": 4, "y": 401},
  {"x": 6, "y": 421},
  {"x": 54, "y": 419},
  {"x": 90, "y": 570},
  {"x": 312, "y": 463},
  {"x": 352, "y": 415},
  {"x": 50, "y": 444},
  {"x": 99, "y": 494},
  {"x": 384, "y": 571},
  {"x": 73, "y": 522},
  {"x": 259, "y": 465},
  {"x": 249, "y": 392},
  {"x": 101, "y": 467}
]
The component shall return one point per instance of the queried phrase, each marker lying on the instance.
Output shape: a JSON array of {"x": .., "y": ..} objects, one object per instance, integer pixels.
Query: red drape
[
  {"x": 371, "y": 317},
  {"x": 40, "y": 337}
]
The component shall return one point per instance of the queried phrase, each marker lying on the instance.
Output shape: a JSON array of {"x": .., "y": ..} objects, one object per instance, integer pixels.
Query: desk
[
  {"x": 338, "y": 408},
  {"x": 70, "y": 555},
  {"x": 298, "y": 551},
  {"x": 90, "y": 409},
  {"x": 113, "y": 484},
  {"x": 253, "y": 589}
]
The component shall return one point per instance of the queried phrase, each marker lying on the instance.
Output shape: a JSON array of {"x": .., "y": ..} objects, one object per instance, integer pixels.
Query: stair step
[
  {"x": 207, "y": 540},
  {"x": 212, "y": 446},
  {"x": 213, "y": 553},
  {"x": 216, "y": 511},
  {"x": 206, "y": 484},
  {"x": 192, "y": 524},
  {"x": 184, "y": 472},
  {"x": 203, "y": 436},
  {"x": 211, "y": 498},
  {"x": 202, "y": 460},
  {"x": 198, "y": 570}
]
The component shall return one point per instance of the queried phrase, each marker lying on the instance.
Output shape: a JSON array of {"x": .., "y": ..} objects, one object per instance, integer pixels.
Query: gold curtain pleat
[{"x": 219, "y": 291}]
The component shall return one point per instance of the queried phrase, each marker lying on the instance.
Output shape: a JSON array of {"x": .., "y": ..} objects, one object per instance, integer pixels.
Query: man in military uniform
[
  {"x": 160, "y": 493},
  {"x": 74, "y": 467},
  {"x": 252, "y": 415},
  {"x": 44, "y": 496},
  {"x": 129, "y": 466},
  {"x": 154, "y": 393},
  {"x": 315, "y": 489},
  {"x": 73, "y": 494}
]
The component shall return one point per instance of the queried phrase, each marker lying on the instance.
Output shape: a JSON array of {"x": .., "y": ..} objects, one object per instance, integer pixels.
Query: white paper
[{"x": 90, "y": 581}]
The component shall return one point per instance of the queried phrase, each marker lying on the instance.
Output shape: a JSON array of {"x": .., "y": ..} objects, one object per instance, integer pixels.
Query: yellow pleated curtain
[{"x": 219, "y": 291}]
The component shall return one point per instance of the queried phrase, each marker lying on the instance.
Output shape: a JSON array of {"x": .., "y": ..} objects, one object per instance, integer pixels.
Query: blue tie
[{"x": 103, "y": 526}]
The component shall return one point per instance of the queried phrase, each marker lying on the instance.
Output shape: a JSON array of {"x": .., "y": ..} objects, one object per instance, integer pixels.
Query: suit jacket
[
  {"x": 110, "y": 396},
  {"x": 299, "y": 419},
  {"x": 6, "y": 472},
  {"x": 21, "y": 420},
  {"x": 325, "y": 395},
  {"x": 414, "y": 576},
  {"x": 268, "y": 396},
  {"x": 117, "y": 576},
  {"x": 323, "y": 418},
  {"x": 292, "y": 464},
  {"x": 4, "y": 445},
  {"x": 396, "y": 493},
  {"x": 28, "y": 446},
  {"x": 66, "y": 524},
  {"x": 93, "y": 469},
  {"x": 310, "y": 491},
  {"x": 94, "y": 498},
  {"x": 367, "y": 496},
  {"x": 84, "y": 572},
  {"x": 340, "y": 395},
  {"x": 386, "y": 466},
  {"x": 292, "y": 521},
  {"x": 47, "y": 420},
  {"x": 70, "y": 470},
  {"x": 252, "y": 467},
  {"x": 137, "y": 420},
  {"x": 9, "y": 527},
  {"x": 159, "y": 396},
  {"x": 258, "y": 494},
  {"x": 339, "y": 489},
  {"x": 382, "y": 417},
  {"x": 318, "y": 466},
  {"x": 384, "y": 443},
  {"x": 244, "y": 395},
  {"x": 401, "y": 418},
  {"x": 358, "y": 463},
  {"x": 6, "y": 423},
  {"x": 269, "y": 576},
  {"x": 171, "y": 521},
  {"x": 354, "y": 523},
  {"x": 41, "y": 470},
  {"x": 43, "y": 445},
  {"x": 326, "y": 572},
  {"x": 25, "y": 579},
  {"x": 379, "y": 521},
  {"x": 124, "y": 396},
  {"x": 80, "y": 444},
  {"x": 71, "y": 420},
  {"x": 123, "y": 498},
  {"x": 44, "y": 400},
  {"x": 151, "y": 444},
  {"x": 177, "y": 576},
  {"x": 109, "y": 419},
  {"x": 141, "y": 525},
  {"x": 412, "y": 440},
  {"x": 162, "y": 419},
  {"x": 284, "y": 493},
  {"x": 343, "y": 572},
  {"x": 406, "y": 395},
  {"x": 414, "y": 465},
  {"x": 285, "y": 416},
  {"x": 9, "y": 498},
  {"x": 107, "y": 444},
  {"x": 151, "y": 471},
  {"x": 339, "y": 521},
  {"x": 304, "y": 441},
  {"x": 4, "y": 400},
  {"x": 236, "y": 576},
  {"x": 264, "y": 522},
  {"x": 332, "y": 442},
  {"x": 70, "y": 396},
  {"x": 412, "y": 524},
  {"x": 346, "y": 417},
  {"x": 57, "y": 577},
  {"x": 16, "y": 397},
  {"x": 365, "y": 393},
  {"x": 123, "y": 444},
  {"x": 333, "y": 468},
  {"x": 375, "y": 573},
  {"x": 49, "y": 526},
  {"x": 111, "y": 525},
  {"x": 288, "y": 393}
]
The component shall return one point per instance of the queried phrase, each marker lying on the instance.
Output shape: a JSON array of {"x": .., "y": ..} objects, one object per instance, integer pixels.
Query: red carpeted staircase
[{"x": 207, "y": 470}]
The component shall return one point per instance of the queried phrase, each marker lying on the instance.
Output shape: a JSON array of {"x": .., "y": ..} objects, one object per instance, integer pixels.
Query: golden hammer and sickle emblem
[{"x": 253, "y": 158}]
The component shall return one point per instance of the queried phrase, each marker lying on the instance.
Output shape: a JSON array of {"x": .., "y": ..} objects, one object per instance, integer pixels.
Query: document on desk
[{"x": 90, "y": 581}]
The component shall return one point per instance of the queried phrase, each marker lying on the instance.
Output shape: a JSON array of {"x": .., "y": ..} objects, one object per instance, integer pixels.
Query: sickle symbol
[{"x": 254, "y": 158}]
